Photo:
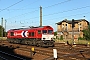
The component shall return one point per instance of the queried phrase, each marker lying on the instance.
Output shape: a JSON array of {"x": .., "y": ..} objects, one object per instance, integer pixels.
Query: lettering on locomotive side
[{"x": 16, "y": 34}]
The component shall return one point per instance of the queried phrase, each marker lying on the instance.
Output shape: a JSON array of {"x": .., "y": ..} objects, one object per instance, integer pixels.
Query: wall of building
[{"x": 65, "y": 29}]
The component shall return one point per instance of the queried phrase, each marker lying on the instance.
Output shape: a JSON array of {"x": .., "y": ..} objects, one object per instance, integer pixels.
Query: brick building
[{"x": 64, "y": 28}]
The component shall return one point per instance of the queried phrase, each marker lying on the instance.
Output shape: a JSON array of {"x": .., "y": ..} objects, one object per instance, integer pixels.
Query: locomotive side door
[{"x": 39, "y": 34}]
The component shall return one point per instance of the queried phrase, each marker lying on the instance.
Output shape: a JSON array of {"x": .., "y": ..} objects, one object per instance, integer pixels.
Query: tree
[
  {"x": 55, "y": 33},
  {"x": 2, "y": 33},
  {"x": 61, "y": 37},
  {"x": 86, "y": 33}
]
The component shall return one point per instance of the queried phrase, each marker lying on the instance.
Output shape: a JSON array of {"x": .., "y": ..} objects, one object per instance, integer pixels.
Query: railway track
[
  {"x": 61, "y": 54},
  {"x": 64, "y": 52},
  {"x": 8, "y": 54}
]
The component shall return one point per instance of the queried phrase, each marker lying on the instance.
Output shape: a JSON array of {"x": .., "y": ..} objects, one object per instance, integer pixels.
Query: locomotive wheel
[
  {"x": 41, "y": 44},
  {"x": 9, "y": 41},
  {"x": 53, "y": 45},
  {"x": 38, "y": 45},
  {"x": 27, "y": 43}
]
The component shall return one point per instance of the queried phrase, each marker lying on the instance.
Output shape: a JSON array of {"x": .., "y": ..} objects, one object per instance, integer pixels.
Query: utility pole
[
  {"x": 2, "y": 22},
  {"x": 2, "y": 26},
  {"x": 40, "y": 16},
  {"x": 73, "y": 25},
  {"x": 5, "y": 27}
]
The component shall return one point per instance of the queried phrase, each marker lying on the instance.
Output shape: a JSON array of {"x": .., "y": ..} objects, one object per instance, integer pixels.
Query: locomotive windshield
[
  {"x": 47, "y": 31},
  {"x": 50, "y": 31},
  {"x": 44, "y": 31}
]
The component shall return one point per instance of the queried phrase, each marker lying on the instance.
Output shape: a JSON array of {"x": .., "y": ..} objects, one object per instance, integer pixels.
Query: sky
[{"x": 25, "y": 13}]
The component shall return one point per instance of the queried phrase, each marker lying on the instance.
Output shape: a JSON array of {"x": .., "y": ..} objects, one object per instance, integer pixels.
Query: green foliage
[
  {"x": 2, "y": 32},
  {"x": 61, "y": 37},
  {"x": 56, "y": 37},
  {"x": 87, "y": 33},
  {"x": 55, "y": 33},
  {"x": 80, "y": 38}
]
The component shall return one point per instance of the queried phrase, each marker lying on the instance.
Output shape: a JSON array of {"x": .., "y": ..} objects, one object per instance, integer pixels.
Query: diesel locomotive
[{"x": 38, "y": 36}]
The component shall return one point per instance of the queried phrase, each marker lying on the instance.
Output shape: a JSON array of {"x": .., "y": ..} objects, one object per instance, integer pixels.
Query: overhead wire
[
  {"x": 11, "y": 5},
  {"x": 62, "y": 12},
  {"x": 53, "y": 13},
  {"x": 47, "y": 6},
  {"x": 30, "y": 4},
  {"x": 68, "y": 10},
  {"x": 67, "y": 16},
  {"x": 59, "y": 18},
  {"x": 22, "y": 8},
  {"x": 57, "y": 12},
  {"x": 57, "y": 4},
  {"x": 63, "y": 17},
  {"x": 25, "y": 9},
  {"x": 23, "y": 14},
  {"x": 44, "y": 8}
]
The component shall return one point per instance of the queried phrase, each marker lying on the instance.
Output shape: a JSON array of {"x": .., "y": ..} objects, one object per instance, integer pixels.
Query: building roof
[{"x": 70, "y": 21}]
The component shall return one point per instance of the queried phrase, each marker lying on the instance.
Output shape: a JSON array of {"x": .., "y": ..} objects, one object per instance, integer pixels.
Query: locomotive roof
[{"x": 30, "y": 28}]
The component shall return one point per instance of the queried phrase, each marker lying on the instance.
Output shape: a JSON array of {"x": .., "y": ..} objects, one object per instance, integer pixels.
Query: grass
[
  {"x": 63, "y": 41},
  {"x": 3, "y": 38},
  {"x": 75, "y": 41}
]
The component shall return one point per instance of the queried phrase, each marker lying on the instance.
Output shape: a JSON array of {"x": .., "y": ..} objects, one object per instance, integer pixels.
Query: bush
[
  {"x": 80, "y": 38},
  {"x": 61, "y": 37}
]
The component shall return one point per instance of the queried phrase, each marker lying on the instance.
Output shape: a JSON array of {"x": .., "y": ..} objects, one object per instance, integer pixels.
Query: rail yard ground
[
  {"x": 64, "y": 51},
  {"x": 62, "y": 41},
  {"x": 75, "y": 41}
]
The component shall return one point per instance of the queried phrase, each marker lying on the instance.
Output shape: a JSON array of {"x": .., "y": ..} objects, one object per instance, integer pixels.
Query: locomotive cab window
[
  {"x": 39, "y": 31},
  {"x": 12, "y": 33},
  {"x": 50, "y": 31},
  {"x": 44, "y": 31}
]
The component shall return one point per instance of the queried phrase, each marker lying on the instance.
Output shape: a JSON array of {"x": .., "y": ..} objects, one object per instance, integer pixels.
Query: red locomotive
[{"x": 38, "y": 36}]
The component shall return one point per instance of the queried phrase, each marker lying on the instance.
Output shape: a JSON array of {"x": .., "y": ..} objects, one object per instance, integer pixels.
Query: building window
[
  {"x": 62, "y": 25},
  {"x": 66, "y": 24}
]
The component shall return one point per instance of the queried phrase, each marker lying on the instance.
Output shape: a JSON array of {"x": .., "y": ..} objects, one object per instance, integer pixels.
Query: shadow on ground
[{"x": 11, "y": 51}]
